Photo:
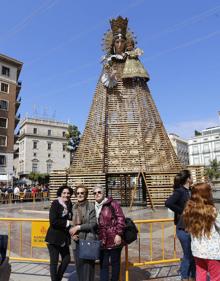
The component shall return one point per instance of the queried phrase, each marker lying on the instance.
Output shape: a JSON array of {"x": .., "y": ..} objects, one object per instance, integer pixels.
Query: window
[
  {"x": 35, "y": 154},
  {"x": 2, "y": 160},
  {"x": 3, "y": 140},
  {"x": 4, "y": 104},
  {"x": 196, "y": 161},
  {"x": 49, "y": 167},
  {"x": 205, "y": 147},
  {"x": 49, "y": 132},
  {"x": 5, "y": 71},
  {"x": 34, "y": 166},
  {"x": 64, "y": 134},
  {"x": 206, "y": 160},
  {"x": 34, "y": 144},
  {"x": 4, "y": 87},
  {"x": 49, "y": 145},
  {"x": 64, "y": 147},
  {"x": 195, "y": 149},
  {"x": 3, "y": 122},
  {"x": 49, "y": 155},
  {"x": 217, "y": 146},
  {"x": 35, "y": 131},
  {"x": 64, "y": 155}
]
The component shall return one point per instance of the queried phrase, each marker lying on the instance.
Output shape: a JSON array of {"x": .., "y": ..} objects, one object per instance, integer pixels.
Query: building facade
[
  {"x": 9, "y": 103},
  {"x": 181, "y": 148},
  {"x": 42, "y": 146},
  {"x": 205, "y": 147}
]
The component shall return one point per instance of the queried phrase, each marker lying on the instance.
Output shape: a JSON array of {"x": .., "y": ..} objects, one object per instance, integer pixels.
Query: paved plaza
[{"x": 22, "y": 271}]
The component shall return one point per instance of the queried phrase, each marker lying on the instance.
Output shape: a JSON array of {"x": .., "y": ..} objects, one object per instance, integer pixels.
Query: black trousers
[
  {"x": 56, "y": 272},
  {"x": 107, "y": 256}
]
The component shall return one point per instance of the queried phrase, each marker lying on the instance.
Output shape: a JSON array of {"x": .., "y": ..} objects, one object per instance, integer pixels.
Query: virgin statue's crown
[{"x": 119, "y": 26}]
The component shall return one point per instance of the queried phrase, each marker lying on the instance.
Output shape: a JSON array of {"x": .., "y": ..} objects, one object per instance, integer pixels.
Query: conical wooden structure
[{"x": 125, "y": 137}]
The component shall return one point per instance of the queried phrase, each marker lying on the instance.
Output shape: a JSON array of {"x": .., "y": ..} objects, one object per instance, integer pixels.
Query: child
[
  {"x": 202, "y": 221},
  {"x": 133, "y": 67}
]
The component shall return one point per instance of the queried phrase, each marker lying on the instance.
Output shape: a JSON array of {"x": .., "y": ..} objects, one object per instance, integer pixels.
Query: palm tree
[{"x": 213, "y": 171}]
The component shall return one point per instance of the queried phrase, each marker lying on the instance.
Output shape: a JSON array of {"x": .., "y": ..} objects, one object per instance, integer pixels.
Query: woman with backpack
[{"x": 111, "y": 225}]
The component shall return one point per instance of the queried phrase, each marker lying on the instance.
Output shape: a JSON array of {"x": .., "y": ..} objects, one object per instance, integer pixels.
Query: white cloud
[{"x": 185, "y": 129}]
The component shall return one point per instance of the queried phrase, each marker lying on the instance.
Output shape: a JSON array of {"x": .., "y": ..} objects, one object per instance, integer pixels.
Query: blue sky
[{"x": 59, "y": 42}]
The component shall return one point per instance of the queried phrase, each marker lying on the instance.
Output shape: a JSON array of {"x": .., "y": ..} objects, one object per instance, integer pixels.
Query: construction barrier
[
  {"x": 23, "y": 197},
  {"x": 156, "y": 244}
]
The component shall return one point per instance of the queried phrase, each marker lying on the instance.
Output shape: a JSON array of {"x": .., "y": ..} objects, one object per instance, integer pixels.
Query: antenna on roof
[
  {"x": 45, "y": 112},
  {"x": 35, "y": 111},
  {"x": 54, "y": 115}
]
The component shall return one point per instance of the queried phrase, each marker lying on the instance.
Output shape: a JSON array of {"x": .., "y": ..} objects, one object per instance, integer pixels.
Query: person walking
[
  {"x": 176, "y": 202},
  {"x": 111, "y": 225},
  {"x": 84, "y": 224},
  {"x": 58, "y": 237},
  {"x": 202, "y": 221}
]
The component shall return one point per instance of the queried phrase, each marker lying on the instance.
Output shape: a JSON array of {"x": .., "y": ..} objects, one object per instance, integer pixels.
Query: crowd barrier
[
  {"x": 22, "y": 197},
  {"x": 156, "y": 243}
]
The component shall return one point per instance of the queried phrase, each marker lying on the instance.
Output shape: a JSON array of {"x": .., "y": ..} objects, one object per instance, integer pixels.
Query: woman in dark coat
[
  {"x": 111, "y": 225},
  {"x": 58, "y": 237},
  {"x": 84, "y": 224},
  {"x": 177, "y": 202}
]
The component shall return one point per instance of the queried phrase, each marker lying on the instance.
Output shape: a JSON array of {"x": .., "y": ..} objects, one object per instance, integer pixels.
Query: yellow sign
[{"x": 38, "y": 233}]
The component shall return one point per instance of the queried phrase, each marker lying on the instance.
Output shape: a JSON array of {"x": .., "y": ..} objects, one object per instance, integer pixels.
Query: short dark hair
[{"x": 62, "y": 187}]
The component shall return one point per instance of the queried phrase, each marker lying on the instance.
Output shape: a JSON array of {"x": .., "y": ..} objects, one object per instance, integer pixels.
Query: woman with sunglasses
[
  {"x": 84, "y": 224},
  {"x": 58, "y": 238},
  {"x": 111, "y": 224}
]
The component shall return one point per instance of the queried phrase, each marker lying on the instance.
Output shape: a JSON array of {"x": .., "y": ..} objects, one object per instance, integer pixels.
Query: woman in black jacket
[
  {"x": 58, "y": 237},
  {"x": 176, "y": 202}
]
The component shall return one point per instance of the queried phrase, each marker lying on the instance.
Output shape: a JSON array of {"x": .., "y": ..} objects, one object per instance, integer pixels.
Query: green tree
[
  {"x": 213, "y": 171},
  {"x": 73, "y": 138},
  {"x": 39, "y": 178},
  {"x": 197, "y": 133}
]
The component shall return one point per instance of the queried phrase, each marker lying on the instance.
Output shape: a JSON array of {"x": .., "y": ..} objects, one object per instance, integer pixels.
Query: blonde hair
[{"x": 199, "y": 214}]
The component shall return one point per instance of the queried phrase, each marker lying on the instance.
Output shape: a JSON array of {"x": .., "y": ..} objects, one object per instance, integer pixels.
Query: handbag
[
  {"x": 89, "y": 249},
  {"x": 3, "y": 247}
]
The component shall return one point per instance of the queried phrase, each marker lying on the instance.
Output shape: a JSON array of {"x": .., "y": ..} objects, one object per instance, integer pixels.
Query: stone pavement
[{"x": 22, "y": 271}]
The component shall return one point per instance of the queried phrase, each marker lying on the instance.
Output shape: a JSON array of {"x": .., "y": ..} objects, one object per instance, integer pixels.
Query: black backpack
[{"x": 131, "y": 231}]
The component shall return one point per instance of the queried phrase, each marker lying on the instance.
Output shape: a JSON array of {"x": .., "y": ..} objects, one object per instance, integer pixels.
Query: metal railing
[
  {"x": 156, "y": 243},
  {"x": 22, "y": 197},
  {"x": 20, "y": 244},
  {"x": 155, "y": 232}
]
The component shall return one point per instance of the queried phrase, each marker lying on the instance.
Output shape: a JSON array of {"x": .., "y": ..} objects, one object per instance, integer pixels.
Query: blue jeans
[
  {"x": 188, "y": 268},
  {"x": 115, "y": 256}
]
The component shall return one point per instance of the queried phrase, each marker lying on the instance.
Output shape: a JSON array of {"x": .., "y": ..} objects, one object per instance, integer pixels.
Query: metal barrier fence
[
  {"x": 22, "y": 197},
  {"x": 156, "y": 243},
  {"x": 26, "y": 238}
]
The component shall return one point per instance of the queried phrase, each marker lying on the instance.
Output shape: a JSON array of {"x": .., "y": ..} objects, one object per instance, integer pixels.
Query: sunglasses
[
  {"x": 80, "y": 193},
  {"x": 97, "y": 192}
]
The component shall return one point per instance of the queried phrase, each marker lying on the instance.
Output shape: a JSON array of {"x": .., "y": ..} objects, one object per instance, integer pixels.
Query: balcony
[
  {"x": 17, "y": 104},
  {"x": 195, "y": 152},
  {"x": 18, "y": 88},
  {"x": 17, "y": 119},
  {"x": 16, "y": 137}
]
